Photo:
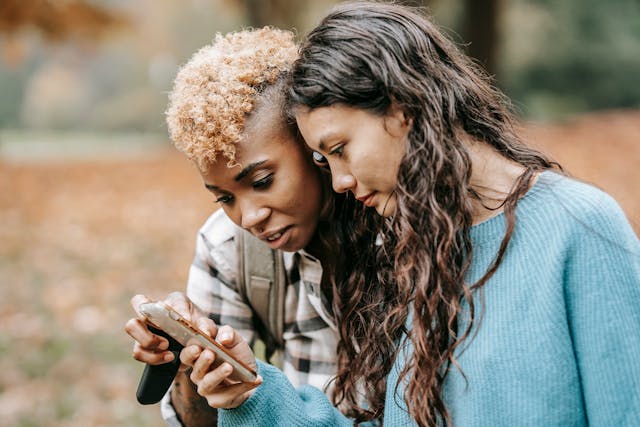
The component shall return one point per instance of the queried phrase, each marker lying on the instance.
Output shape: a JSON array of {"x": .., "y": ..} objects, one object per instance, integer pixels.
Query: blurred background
[{"x": 96, "y": 205}]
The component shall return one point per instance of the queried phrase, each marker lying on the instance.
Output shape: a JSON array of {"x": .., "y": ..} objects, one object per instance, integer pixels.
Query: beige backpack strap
[{"x": 262, "y": 283}]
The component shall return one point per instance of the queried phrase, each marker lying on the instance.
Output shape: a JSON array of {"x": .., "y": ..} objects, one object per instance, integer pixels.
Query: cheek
[
  {"x": 306, "y": 192},
  {"x": 376, "y": 169},
  {"x": 388, "y": 159}
]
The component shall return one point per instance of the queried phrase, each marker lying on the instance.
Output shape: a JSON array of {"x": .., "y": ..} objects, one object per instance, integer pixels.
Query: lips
[
  {"x": 273, "y": 235},
  {"x": 367, "y": 199}
]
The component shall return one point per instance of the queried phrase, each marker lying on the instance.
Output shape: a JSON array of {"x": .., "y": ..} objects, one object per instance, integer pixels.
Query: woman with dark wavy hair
[{"x": 499, "y": 290}]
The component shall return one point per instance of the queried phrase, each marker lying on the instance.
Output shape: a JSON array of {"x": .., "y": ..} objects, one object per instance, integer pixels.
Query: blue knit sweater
[{"x": 558, "y": 343}]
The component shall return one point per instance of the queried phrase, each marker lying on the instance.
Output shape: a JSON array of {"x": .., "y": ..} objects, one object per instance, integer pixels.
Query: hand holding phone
[
  {"x": 184, "y": 332},
  {"x": 156, "y": 379}
]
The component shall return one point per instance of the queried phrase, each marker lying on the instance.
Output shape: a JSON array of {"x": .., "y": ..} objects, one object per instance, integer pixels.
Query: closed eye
[
  {"x": 263, "y": 183},
  {"x": 227, "y": 198},
  {"x": 337, "y": 151}
]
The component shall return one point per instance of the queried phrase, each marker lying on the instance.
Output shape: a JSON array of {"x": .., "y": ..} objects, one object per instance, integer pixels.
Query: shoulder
[
  {"x": 216, "y": 247},
  {"x": 218, "y": 229},
  {"x": 584, "y": 208},
  {"x": 576, "y": 195}
]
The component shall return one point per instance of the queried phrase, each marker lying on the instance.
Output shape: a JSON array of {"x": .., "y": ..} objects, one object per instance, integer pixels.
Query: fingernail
[
  {"x": 163, "y": 345},
  {"x": 168, "y": 357}
]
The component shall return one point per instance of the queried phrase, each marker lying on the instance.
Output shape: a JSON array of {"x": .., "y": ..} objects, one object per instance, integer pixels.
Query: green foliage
[
  {"x": 556, "y": 58},
  {"x": 585, "y": 57},
  {"x": 11, "y": 88},
  {"x": 38, "y": 361}
]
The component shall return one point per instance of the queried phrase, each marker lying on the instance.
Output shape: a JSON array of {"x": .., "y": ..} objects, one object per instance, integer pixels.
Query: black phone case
[{"x": 156, "y": 379}]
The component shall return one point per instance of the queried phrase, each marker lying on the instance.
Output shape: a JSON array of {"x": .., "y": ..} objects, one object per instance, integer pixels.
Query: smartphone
[{"x": 170, "y": 321}]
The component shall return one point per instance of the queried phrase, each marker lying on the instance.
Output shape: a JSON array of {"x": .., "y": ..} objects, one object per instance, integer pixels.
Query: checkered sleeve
[
  {"x": 212, "y": 287},
  {"x": 309, "y": 355},
  {"x": 212, "y": 284}
]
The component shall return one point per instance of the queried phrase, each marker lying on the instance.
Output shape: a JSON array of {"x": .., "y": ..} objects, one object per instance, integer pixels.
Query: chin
[
  {"x": 298, "y": 242},
  {"x": 387, "y": 210},
  {"x": 290, "y": 248},
  {"x": 292, "y": 245}
]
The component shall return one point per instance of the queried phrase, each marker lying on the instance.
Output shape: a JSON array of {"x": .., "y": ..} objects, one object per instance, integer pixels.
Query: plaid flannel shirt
[{"x": 310, "y": 336}]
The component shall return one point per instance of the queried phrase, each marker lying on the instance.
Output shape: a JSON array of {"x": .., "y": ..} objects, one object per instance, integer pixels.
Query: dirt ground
[{"x": 79, "y": 238}]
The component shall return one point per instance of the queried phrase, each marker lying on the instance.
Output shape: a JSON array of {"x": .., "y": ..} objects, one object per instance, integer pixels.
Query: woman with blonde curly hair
[{"x": 227, "y": 115}]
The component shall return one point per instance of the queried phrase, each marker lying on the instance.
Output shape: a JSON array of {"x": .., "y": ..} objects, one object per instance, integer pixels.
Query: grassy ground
[{"x": 79, "y": 237}]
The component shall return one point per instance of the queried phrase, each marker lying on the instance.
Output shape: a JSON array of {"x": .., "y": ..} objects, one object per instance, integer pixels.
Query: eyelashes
[
  {"x": 263, "y": 183},
  {"x": 224, "y": 199},
  {"x": 258, "y": 185},
  {"x": 337, "y": 151},
  {"x": 322, "y": 161},
  {"x": 319, "y": 159}
]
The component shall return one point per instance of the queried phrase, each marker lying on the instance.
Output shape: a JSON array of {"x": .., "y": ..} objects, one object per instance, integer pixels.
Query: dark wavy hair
[{"x": 369, "y": 56}]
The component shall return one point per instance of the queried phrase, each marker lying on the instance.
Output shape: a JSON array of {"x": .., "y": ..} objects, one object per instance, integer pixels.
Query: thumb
[
  {"x": 136, "y": 300},
  {"x": 179, "y": 302}
]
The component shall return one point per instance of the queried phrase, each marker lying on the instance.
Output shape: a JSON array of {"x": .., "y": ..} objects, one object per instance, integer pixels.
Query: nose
[
  {"x": 253, "y": 216},
  {"x": 342, "y": 182}
]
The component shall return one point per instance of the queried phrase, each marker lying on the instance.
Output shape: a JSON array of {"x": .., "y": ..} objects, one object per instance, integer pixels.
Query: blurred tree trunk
[
  {"x": 480, "y": 22},
  {"x": 480, "y": 30},
  {"x": 279, "y": 13}
]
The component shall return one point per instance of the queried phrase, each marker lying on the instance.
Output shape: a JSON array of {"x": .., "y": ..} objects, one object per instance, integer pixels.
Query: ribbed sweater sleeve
[
  {"x": 276, "y": 403},
  {"x": 602, "y": 293}
]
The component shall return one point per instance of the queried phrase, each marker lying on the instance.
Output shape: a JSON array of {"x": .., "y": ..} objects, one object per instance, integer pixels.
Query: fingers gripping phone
[
  {"x": 179, "y": 331},
  {"x": 156, "y": 379}
]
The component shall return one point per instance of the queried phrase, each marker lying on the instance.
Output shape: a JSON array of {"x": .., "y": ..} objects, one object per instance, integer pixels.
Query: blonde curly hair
[{"x": 215, "y": 91}]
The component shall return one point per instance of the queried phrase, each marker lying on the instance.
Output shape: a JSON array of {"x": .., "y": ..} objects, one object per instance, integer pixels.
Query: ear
[{"x": 398, "y": 123}]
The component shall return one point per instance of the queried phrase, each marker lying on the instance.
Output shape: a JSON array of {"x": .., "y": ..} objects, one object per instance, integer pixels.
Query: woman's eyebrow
[
  {"x": 327, "y": 139},
  {"x": 244, "y": 172}
]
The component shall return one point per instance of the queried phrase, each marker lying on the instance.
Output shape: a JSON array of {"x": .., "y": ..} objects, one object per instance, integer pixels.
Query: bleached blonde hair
[{"x": 216, "y": 90}]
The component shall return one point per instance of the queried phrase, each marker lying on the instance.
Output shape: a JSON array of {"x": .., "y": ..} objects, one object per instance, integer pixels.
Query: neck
[
  {"x": 316, "y": 248},
  {"x": 493, "y": 177}
]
